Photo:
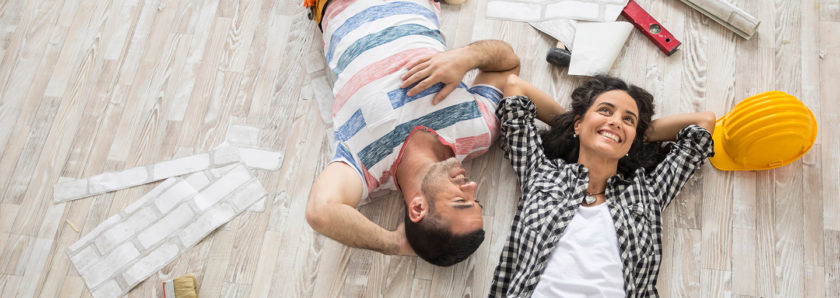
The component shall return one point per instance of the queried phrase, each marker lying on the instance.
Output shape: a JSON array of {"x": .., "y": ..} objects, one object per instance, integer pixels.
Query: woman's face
[{"x": 608, "y": 128}]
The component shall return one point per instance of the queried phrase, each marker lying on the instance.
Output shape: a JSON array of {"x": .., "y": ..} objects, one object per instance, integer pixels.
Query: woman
[{"x": 593, "y": 189}]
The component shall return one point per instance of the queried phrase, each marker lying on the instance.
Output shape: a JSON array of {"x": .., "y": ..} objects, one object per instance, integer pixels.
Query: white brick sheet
[
  {"x": 152, "y": 262},
  {"x": 546, "y": 10},
  {"x": 111, "y": 181},
  {"x": 106, "y": 266},
  {"x": 107, "y": 289},
  {"x": 261, "y": 159},
  {"x": 209, "y": 220},
  {"x": 181, "y": 166},
  {"x": 222, "y": 187},
  {"x": 128, "y": 247},
  {"x": 168, "y": 225},
  {"x": 176, "y": 194}
]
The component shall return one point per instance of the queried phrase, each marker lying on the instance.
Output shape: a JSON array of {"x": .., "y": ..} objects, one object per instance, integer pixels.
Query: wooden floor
[{"x": 94, "y": 86}]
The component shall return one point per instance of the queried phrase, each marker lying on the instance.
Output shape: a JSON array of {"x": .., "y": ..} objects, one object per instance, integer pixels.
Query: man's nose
[{"x": 469, "y": 187}]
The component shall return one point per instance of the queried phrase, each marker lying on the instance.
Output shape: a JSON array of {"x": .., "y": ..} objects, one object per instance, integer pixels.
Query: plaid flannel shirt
[{"x": 552, "y": 190}]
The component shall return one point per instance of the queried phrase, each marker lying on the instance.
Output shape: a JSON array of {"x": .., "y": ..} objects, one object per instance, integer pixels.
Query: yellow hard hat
[{"x": 764, "y": 131}]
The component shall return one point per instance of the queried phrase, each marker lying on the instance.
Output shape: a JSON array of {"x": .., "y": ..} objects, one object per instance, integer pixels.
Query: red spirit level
[{"x": 650, "y": 27}]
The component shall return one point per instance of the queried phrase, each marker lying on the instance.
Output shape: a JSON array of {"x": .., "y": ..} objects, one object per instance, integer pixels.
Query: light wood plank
[
  {"x": 687, "y": 257},
  {"x": 716, "y": 283},
  {"x": 830, "y": 116},
  {"x": 89, "y": 87},
  {"x": 832, "y": 263}
]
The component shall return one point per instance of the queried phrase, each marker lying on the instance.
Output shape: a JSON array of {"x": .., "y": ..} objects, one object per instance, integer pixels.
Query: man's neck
[
  {"x": 422, "y": 149},
  {"x": 600, "y": 169}
]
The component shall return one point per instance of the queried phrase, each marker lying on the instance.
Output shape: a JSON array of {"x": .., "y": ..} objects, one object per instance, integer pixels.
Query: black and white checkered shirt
[{"x": 552, "y": 190}]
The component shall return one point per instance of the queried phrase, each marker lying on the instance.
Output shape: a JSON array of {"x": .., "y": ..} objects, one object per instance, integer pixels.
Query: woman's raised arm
[{"x": 666, "y": 128}]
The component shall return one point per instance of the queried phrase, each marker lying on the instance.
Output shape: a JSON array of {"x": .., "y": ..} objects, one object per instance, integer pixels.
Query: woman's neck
[{"x": 600, "y": 169}]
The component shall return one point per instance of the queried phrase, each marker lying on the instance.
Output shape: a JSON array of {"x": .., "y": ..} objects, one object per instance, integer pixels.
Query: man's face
[{"x": 454, "y": 196}]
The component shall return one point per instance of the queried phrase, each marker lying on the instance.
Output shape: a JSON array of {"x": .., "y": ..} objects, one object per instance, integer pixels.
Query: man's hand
[
  {"x": 400, "y": 238},
  {"x": 447, "y": 68}
]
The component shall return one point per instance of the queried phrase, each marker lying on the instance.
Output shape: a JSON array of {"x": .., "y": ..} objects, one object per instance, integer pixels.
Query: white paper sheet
[{"x": 596, "y": 46}]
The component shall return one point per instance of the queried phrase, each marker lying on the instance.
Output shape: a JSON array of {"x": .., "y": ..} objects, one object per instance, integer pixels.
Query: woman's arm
[
  {"x": 547, "y": 108},
  {"x": 666, "y": 128}
]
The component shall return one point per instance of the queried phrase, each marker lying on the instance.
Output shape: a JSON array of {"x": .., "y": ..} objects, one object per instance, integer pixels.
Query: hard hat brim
[{"x": 721, "y": 160}]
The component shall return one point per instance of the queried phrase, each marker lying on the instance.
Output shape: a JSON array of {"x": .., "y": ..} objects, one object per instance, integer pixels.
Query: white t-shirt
[{"x": 585, "y": 262}]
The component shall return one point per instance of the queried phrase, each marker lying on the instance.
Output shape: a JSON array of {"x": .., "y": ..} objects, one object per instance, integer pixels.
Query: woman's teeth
[{"x": 610, "y": 136}]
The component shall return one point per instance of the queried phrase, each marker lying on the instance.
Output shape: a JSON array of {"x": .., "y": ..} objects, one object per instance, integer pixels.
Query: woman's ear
[
  {"x": 418, "y": 206},
  {"x": 576, "y": 125}
]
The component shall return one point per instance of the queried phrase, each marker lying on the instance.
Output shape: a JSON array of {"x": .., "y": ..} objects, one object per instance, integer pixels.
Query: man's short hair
[{"x": 432, "y": 240}]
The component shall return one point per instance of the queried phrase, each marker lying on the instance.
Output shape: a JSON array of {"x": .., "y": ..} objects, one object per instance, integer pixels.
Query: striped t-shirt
[{"x": 368, "y": 44}]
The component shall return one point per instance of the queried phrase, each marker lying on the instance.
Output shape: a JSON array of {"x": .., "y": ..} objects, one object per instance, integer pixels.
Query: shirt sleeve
[
  {"x": 693, "y": 145},
  {"x": 519, "y": 137}
]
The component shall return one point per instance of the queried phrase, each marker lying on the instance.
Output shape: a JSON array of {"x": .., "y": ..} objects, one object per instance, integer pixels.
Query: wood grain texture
[{"x": 94, "y": 86}]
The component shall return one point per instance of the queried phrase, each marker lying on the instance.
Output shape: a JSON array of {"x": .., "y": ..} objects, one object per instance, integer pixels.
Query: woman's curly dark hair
[{"x": 559, "y": 143}]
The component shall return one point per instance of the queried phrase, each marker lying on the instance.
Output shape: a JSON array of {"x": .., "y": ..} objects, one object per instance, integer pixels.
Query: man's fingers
[
  {"x": 420, "y": 86},
  {"x": 413, "y": 66},
  {"x": 444, "y": 93},
  {"x": 414, "y": 69},
  {"x": 414, "y": 78},
  {"x": 418, "y": 61}
]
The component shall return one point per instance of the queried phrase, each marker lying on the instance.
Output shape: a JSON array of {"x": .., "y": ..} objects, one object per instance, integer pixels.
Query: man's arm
[
  {"x": 666, "y": 128},
  {"x": 494, "y": 59},
  {"x": 331, "y": 210}
]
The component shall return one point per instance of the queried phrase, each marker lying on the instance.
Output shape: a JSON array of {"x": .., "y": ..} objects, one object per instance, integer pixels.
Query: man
[{"x": 394, "y": 130}]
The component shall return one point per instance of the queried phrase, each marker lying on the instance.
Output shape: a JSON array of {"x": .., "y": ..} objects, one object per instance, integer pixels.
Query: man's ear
[{"x": 418, "y": 206}]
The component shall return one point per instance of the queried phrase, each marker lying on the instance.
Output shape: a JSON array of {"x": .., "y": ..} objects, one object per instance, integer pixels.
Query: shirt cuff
[
  {"x": 697, "y": 138},
  {"x": 517, "y": 105}
]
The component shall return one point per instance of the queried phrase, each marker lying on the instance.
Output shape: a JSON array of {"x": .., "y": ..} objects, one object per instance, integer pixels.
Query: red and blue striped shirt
[{"x": 367, "y": 45}]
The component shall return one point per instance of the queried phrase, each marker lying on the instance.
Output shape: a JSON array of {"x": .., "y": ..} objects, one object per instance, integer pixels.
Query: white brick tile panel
[
  {"x": 222, "y": 187},
  {"x": 259, "y": 206},
  {"x": 93, "y": 233},
  {"x": 111, "y": 181},
  {"x": 111, "y": 238},
  {"x": 209, "y": 220},
  {"x": 181, "y": 166},
  {"x": 247, "y": 195},
  {"x": 168, "y": 225},
  {"x": 105, "y": 267},
  {"x": 180, "y": 192},
  {"x": 261, "y": 159},
  {"x": 224, "y": 155},
  {"x": 107, "y": 289},
  {"x": 197, "y": 180},
  {"x": 536, "y": 11},
  {"x": 84, "y": 258},
  {"x": 517, "y": 11},
  {"x": 118, "y": 180},
  {"x": 149, "y": 264},
  {"x": 155, "y": 192},
  {"x": 580, "y": 10},
  {"x": 107, "y": 258}
]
